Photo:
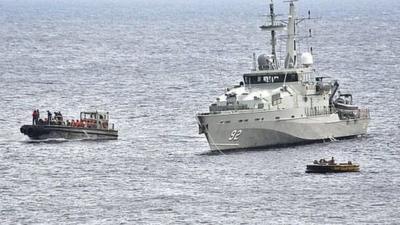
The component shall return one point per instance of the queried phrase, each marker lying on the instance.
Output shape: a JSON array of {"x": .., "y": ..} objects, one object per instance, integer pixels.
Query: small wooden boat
[{"x": 323, "y": 166}]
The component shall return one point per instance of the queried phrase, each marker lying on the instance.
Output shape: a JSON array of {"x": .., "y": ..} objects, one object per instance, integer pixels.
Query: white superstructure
[{"x": 281, "y": 104}]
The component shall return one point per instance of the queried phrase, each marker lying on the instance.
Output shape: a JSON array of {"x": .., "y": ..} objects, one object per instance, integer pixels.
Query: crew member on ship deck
[
  {"x": 35, "y": 117},
  {"x": 49, "y": 116}
]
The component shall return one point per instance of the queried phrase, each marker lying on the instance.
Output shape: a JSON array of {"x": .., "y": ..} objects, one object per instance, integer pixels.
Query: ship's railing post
[
  {"x": 318, "y": 110},
  {"x": 363, "y": 114}
]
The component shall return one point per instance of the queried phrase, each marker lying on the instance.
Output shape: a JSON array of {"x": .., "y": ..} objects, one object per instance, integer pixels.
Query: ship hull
[
  {"x": 42, "y": 132},
  {"x": 257, "y": 131}
]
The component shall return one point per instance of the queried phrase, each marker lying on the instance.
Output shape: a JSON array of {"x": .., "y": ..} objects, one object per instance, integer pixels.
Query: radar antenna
[
  {"x": 290, "y": 24},
  {"x": 291, "y": 45},
  {"x": 273, "y": 26}
]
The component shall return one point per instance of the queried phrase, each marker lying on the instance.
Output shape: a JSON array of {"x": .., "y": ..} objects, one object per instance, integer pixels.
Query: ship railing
[
  {"x": 343, "y": 114},
  {"x": 203, "y": 114},
  {"x": 354, "y": 114},
  {"x": 219, "y": 108},
  {"x": 363, "y": 114},
  {"x": 318, "y": 110}
]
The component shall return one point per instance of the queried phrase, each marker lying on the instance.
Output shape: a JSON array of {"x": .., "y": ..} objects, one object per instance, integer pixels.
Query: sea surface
[{"x": 153, "y": 65}]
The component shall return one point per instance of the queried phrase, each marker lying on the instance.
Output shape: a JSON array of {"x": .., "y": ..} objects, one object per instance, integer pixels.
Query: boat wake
[
  {"x": 49, "y": 140},
  {"x": 61, "y": 140}
]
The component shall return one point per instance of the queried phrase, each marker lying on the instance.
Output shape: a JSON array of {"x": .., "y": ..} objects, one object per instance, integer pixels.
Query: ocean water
[{"x": 153, "y": 65}]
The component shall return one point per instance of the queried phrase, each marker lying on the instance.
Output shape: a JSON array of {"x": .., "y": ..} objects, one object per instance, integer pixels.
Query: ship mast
[
  {"x": 273, "y": 37},
  {"x": 291, "y": 58},
  {"x": 273, "y": 26}
]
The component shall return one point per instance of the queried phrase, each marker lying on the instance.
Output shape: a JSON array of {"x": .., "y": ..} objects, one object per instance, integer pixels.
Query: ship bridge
[{"x": 275, "y": 76}]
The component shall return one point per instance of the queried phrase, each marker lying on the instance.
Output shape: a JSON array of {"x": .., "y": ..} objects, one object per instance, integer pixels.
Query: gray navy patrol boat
[
  {"x": 281, "y": 103},
  {"x": 91, "y": 125}
]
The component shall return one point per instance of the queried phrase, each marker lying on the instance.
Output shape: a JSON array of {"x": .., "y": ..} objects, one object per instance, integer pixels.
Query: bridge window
[{"x": 277, "y": 78}]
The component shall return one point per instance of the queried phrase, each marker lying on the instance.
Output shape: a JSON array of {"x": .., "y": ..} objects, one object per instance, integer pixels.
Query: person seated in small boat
[
  {"x": 332, "y": 161},
  {"x": 60, "y": 116},
  {"x": 315, "y": 162},
  {"x": 56, "y": 115},
  {"x": 88, "y": 124},
  {"x": 322, "y": 161},
  {"x": 80, "y": 124}
]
